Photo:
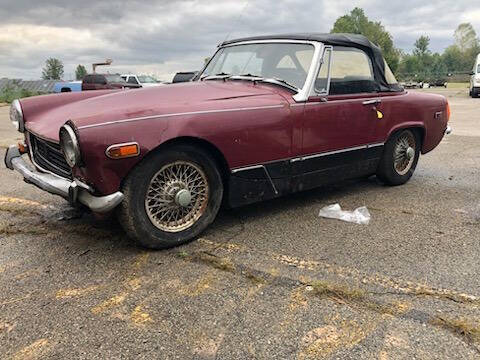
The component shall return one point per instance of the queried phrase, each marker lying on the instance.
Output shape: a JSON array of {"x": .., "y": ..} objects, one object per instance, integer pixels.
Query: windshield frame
[{"x": 302, "y": 93}]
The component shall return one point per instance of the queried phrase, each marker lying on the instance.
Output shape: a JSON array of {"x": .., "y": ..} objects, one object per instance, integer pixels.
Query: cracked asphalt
[{"x": 267, "y": 281}]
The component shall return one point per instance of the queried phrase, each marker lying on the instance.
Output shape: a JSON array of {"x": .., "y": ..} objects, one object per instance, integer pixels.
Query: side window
[
  {"x": 351, "y": 72},
  {"x": 132, "y": 80},
  {"x": 99, "y": 79}
]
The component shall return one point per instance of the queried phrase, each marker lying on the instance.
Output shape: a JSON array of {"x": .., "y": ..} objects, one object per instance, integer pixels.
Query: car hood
[{"x": 90, "y": 109}]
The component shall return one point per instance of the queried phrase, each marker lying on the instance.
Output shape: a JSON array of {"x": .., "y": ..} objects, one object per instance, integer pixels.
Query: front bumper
[
  {"x": 448, "y": 130},
  {"x": 73, "y": 191}
]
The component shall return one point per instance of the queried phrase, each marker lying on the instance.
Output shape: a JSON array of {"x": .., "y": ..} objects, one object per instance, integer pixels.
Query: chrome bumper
[
  {"x": 448, "y": 130},
  {"x": 73, "y": 191}
]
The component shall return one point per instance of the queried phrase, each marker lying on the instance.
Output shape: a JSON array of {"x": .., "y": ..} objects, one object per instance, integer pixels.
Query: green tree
[
  {"x": 421, "y": 46},
  {"x": 465, "y": 37},
  {"x": 53, "y": 69},
  {"x": 80, "y": 72},
  {"x": 358, "y": 23}
]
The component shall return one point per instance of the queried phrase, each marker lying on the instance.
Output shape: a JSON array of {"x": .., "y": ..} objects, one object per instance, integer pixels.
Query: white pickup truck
[
  {"x": 475, "y": 79},
  {"x": 143, "y": 80}
]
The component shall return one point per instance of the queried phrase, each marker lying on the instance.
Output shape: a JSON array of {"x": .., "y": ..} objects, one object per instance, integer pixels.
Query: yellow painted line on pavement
[{"x": 33, "y": 351}]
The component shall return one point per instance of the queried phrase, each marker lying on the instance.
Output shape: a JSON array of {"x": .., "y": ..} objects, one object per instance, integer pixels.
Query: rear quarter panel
[{"x": 413, "y": 110}]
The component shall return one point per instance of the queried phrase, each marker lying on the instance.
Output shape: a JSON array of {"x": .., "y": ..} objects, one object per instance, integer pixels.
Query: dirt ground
[{"x": 267, "y": 281}]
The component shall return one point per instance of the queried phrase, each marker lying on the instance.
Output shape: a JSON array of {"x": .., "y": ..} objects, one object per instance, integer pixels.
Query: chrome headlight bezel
[
  {"x": 69, "y": 145},
  {"x": 16, "y": 116}
]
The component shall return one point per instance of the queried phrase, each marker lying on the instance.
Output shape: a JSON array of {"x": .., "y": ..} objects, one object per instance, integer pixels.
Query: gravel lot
[{"x": 268, "y": 281}]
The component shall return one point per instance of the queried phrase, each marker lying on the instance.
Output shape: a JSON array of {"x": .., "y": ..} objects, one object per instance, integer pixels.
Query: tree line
[{"x": 421, "y": 64}]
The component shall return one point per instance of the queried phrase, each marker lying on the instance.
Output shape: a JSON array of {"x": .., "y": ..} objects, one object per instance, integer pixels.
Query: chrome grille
[{"x": 48, "y": 156}]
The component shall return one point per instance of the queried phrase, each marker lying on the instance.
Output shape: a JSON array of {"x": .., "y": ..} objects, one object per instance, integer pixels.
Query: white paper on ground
[{"x": 360, "y": 215}]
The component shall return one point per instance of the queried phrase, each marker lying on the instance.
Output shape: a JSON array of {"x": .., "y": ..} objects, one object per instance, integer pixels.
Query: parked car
[
  {"x": 436, "y": 82},
  {"x": 67, "y": 86},
  {"x": 267, "y": 116},
  {"x": 184, "y": 76},
  {"x": 475, "y": 79},
  {"x": 106, "y": 81},
  {"x": 143, "y": 80}
]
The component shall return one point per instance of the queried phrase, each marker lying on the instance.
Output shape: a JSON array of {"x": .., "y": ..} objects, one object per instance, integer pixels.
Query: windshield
[
  {"x": 286, "y": 61},
  {"x": 114, "y": 79},
  {"x": 146, "y": 79}
]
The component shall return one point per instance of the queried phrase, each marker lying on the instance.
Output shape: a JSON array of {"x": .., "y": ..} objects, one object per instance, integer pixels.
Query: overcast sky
[{"x": 162, "y": 37}]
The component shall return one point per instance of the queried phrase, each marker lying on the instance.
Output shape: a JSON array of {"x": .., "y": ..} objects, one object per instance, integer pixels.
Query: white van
[{"x": 475, "y": 79}]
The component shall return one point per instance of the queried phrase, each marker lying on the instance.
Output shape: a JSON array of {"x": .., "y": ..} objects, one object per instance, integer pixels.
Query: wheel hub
[
  {"x": 410, "y": 152},
  {"x": 183, "y": 198}
]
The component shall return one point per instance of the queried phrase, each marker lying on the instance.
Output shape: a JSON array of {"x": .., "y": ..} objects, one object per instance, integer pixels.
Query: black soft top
[{"x": 338, "y": 39}]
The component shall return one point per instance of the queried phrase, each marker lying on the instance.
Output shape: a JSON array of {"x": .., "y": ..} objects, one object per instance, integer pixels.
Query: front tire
[
  {"x": 171, "y": 197},
  {"x": 400, "y": 158}
]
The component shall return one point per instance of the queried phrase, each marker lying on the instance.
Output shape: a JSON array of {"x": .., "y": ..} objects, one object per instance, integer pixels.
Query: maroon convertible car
[{"x": 267, "y": 116}]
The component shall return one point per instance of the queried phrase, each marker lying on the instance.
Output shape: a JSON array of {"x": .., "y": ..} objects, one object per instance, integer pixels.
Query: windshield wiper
[
  {"x": 221, "y": 75},
  {"x": 273, "y": 80},
  {"x": 281, "y": 82}
]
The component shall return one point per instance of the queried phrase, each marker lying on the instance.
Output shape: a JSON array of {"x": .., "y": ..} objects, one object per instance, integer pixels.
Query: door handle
[{"x": 372, "y": 102}]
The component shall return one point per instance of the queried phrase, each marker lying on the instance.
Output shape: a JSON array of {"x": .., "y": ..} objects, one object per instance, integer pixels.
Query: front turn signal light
[
  {"x": 448, "y": 111},
  {"x": 120, "y": 151}
]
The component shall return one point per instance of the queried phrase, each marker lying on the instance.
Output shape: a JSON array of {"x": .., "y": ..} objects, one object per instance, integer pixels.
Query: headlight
[
  {"x": 69, "y": 145},
  {"x": 16, "y": 116}
]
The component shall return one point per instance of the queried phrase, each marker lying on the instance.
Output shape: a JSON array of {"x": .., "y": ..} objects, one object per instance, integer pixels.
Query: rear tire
[
  {"x": 171, "y": 197},
  {"x": 400, "y": 158}
]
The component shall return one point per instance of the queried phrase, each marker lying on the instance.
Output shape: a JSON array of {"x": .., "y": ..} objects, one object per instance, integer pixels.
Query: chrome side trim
[
  {"x": 253, "y": 167},
  {"x": 123, "y": 144},
  {"x": 368, "y": 146},
  {"x": 307, "y": 157},
  {"x": 179, "y": 114},
  {"x": 313, "y": 156}
]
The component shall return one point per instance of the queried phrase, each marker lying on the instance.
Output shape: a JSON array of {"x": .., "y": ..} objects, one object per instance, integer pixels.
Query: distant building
[{"x": 43, "y": 86}]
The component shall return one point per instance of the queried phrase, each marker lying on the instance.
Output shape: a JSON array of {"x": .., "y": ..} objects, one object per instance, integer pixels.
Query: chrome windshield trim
[{"x": 180, "y": 114}]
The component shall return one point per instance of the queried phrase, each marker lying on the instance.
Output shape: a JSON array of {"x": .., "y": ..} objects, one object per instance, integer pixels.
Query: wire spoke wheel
[
  {"x": 404, "y": 153},
  {"x": 177, "y": 196}
]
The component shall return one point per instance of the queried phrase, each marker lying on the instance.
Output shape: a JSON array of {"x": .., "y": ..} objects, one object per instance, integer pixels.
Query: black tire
[
  {"x": 133, "y": 213},
  {"x": 387, "y": 171}
]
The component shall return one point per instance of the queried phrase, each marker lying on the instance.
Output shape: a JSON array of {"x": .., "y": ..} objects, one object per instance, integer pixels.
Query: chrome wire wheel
[
  {"x": 404, "y": 153},
  {"x": 177, "y": 196}
]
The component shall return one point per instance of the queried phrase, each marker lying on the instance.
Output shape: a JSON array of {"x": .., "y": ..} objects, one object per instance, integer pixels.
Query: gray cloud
[{"x": 163, "y": 37}]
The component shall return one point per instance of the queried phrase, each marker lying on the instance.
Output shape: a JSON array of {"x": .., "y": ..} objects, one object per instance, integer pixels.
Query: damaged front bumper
[{"x": 73, "y": 191}]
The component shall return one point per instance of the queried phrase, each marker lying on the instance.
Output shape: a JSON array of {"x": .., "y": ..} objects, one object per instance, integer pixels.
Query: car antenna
[{"x": 237, "y": 21}]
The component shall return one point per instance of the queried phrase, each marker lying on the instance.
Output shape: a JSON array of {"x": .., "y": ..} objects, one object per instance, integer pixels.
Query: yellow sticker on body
[{"x": 379, "y": 114}]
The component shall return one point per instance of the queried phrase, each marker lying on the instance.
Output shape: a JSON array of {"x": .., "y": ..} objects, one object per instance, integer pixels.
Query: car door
[{"x": 339, "y": 121}]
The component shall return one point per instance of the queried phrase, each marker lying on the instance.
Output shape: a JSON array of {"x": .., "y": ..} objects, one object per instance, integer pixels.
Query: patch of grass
[
  {"x": 9, "y": 93},
  {"x": 354, "y": 296},
  {"x": 462, "y": 327},
  {"x": 254, "y": 278},
  {"x": 28, "y": 230},
  {"x": 462, "y": 85},
  {"x": 219, "y": 263},
  {"x": 326, "y": 289},
  {"x": 182, "y": 254}
]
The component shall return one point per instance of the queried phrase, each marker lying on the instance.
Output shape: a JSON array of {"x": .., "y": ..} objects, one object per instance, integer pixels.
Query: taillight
[{"x": 448, "y": 111}]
